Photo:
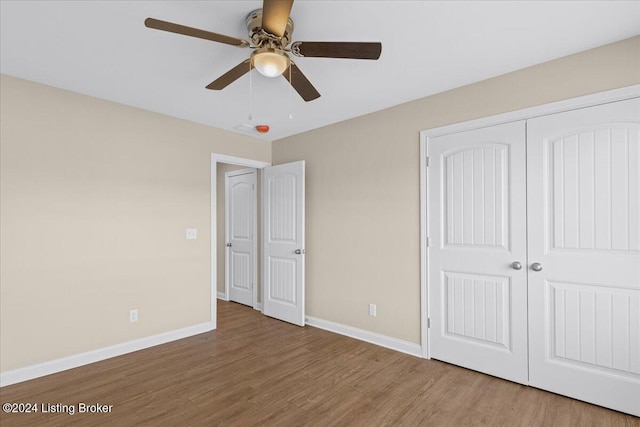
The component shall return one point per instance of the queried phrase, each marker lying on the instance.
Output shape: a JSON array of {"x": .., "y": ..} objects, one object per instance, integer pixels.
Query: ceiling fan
[{"x": 270, "y": 30}]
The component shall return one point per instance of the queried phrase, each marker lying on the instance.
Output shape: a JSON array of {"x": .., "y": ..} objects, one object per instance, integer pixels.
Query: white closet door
[
  {"x": 584, "y": 233},
  {"x": 240, "y": 204},
  {"x": 477, "y": 228}
]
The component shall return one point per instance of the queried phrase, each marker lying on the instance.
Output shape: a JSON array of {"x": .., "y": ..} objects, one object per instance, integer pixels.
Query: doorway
[
  {"x": 282, "y": 220},
  {"x": 217, "y": 159}
]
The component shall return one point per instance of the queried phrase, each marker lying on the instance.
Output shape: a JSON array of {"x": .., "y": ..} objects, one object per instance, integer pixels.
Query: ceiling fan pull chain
[
  {"x": 250, "y": 94},
  {"x": 290, "y": 112}
]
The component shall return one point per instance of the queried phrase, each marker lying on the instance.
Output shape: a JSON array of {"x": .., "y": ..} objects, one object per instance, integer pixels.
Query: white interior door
[
  {"x": 584, "y": 232},
  {"x": 477, "y": 229},
  {"x": 240, "y": 232},
  {"x": 283, "y": 242}
]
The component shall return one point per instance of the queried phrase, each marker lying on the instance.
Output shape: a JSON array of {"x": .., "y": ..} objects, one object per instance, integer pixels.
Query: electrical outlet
[
  {"x": 372, "y": 310},
  {"x": 192, "y": 233},
  {"x": 133, "y": 315}
]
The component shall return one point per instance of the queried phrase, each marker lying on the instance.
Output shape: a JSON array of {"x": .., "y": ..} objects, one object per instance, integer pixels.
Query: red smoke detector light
[{"x": 262, "y": 128}]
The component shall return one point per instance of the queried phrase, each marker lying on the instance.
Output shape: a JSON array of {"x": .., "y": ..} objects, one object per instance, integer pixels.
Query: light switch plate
[{"x": 192, "y": 233}]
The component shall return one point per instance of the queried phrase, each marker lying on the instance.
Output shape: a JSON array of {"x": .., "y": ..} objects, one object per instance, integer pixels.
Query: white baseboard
[
  {"x": 222, "y": 296},
  {"x": 69, "y": 362},
  {"x": 370, "y": 337},
  {"x": 258, "y": 306}
]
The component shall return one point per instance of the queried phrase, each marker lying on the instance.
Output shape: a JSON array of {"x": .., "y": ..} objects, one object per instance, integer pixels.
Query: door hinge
[
  {"x": 428, "y": 322},
  {"x": 253, "y": 186},
  {"x": 426, "y": 161},
  {"x": 428, "y": 241}
]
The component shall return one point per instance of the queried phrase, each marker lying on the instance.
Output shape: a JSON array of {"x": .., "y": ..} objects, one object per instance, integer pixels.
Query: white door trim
[
  {"x": 527, "y": 113},
  {"x": 255, "y": 234},
  {"x": 215, "y": 159}
]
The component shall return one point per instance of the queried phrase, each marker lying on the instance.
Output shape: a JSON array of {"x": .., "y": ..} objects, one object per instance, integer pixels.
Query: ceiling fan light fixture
[{"x": 270, "y": 62}]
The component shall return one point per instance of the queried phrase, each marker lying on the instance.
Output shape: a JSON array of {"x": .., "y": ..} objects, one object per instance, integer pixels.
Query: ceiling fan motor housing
[{"x": 261, "y": 38}]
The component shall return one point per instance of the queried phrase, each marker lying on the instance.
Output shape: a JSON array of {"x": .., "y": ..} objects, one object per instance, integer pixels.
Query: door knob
[
  {"x": 536, "y": 266},
  {"x": 229, "y": 245},
  {"x": 299, "y": 251},
  {"x": 516, "y": 265}
]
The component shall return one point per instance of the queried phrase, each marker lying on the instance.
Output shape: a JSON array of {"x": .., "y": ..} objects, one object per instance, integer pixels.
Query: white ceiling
[{"x": 103, "y": 49}]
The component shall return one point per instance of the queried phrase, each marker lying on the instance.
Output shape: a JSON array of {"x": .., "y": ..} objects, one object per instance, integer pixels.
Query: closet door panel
[
  {"x": 583, "y": 192},
  {"x": 477, "y": 226}
]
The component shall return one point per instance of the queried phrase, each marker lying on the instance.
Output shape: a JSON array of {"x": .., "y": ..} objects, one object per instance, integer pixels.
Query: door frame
[
  {"x": 215, "y": 159},
  {"x": 523, "y": 114},
  {"x": 254, "y": 260}
]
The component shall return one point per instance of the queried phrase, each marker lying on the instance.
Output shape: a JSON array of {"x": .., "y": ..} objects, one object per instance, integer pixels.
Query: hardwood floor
[{"x": 255, "y": 370}]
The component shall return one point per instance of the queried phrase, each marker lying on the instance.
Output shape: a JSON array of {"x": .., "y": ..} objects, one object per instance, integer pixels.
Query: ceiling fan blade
[
  {"x": 351, "y": 50},
  {"x": 275, "y": 14},
  {"x": 193, "y": 32},
  {"x": 300, "y": 83},
  {"x": 230, "y": 76}
]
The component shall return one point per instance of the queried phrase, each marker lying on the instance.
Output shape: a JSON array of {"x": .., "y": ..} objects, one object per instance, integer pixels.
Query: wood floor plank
[{"x": 254, "y": 370}]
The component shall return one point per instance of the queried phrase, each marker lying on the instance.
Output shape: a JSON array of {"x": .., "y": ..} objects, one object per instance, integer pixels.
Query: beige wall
[
  {"x": 362, "y": 198},
  {"x": 95, "y": 198}
]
